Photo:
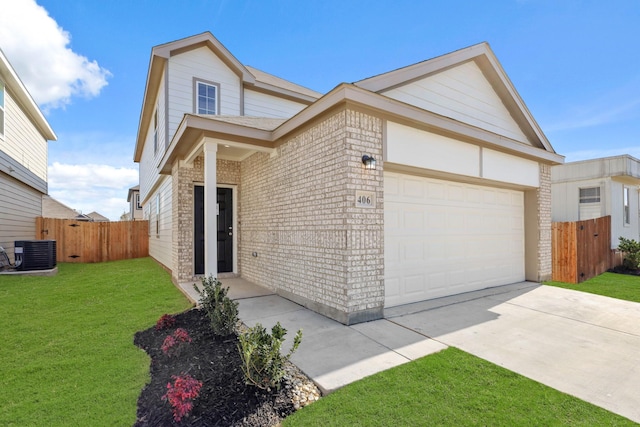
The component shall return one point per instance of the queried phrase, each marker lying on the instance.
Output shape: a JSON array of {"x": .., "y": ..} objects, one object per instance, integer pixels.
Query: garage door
[{"x": 444, "y": 238}]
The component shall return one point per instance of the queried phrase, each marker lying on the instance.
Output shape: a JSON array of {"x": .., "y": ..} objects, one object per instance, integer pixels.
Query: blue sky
[{"x": 574, "y": 63}]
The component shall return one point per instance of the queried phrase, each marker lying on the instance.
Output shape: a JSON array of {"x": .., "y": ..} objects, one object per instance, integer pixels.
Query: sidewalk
[{"x": 331, "y": 354}]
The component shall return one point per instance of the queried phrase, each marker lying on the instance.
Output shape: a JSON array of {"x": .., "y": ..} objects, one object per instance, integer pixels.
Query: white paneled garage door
[{"x": 444, "y": 238}]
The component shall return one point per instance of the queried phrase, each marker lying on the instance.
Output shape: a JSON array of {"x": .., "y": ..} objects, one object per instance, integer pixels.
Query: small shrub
[
  {"x": 631, "y": 250},
  {"x": 165, "y": 322},
  {"x": 172, "y": 343},
  {"x": 262, "y": 363},
  {"x": 181, "y": 394},
  {"x": 220, "y": 309}
]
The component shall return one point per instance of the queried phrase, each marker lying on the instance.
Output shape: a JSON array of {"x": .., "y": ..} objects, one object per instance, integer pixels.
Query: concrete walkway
[{"x": 582, "y": 344}]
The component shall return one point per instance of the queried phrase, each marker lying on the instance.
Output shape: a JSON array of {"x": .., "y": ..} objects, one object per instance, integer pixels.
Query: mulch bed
[
  {"x": 623, "y": 270},
  {"x": 224, "y": 400}
]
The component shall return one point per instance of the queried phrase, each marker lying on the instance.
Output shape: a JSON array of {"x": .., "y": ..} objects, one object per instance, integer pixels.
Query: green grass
[
  {"x": 67, "y": 356},
  {"x": 450, "y": 388},
  {"x": 612, "y": 285}
]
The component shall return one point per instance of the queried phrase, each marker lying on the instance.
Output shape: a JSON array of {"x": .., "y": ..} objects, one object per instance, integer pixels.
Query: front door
[{"x": 225, "y": 230}]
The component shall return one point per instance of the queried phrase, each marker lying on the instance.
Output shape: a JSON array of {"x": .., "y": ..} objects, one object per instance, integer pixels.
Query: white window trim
[
  {"x": 196, "y": 81},
  {"x": 580, "y": 200},
  {"x": 3, "y": 109},
  {"x": 155, "y": 131},
  {"x": 626, "y": 206},
  {"x": 158, "y": 214},
  {"x": 137, "y": 202}
]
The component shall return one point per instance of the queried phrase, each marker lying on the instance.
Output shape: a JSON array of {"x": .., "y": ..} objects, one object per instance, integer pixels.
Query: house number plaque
[{"x": 365, "y": 199}]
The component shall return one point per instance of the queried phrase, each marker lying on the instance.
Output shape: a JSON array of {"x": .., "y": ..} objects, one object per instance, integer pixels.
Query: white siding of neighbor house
[
  {"x": 19, "y": 207},
  {"x": 262, "y": 105},
  {"x": 565, "y": 199},
  {"x": 464, "y": 94},
  {"x": 422, "y": 149},
  {"x": 618, "y": 227},
  {"x": 22, "y": 141},
  {"x": 203, "y": 64},
  {"x": 160, "y": 241},
  {"x": 566, "y": 205}
]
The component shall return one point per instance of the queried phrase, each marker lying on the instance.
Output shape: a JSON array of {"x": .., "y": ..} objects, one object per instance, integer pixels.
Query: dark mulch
[
  {"x": 224, "y": 400},
  {"x": 623, "y": 270}
]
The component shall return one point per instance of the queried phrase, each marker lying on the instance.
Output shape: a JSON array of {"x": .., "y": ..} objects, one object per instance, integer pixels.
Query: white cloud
[
  {"x": 38, "y": 48},
  {"x": 92, "y": 187}
]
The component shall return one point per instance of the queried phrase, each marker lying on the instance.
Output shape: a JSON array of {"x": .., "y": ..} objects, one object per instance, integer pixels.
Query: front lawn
[
  {"x": 451, "y": 388},
  {"x": 620, "y": 286},
  {"x": 67, "y": 351}
]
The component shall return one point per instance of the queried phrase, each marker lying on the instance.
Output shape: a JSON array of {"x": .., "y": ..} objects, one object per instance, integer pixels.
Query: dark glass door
[{"x": 225, "y": 230}]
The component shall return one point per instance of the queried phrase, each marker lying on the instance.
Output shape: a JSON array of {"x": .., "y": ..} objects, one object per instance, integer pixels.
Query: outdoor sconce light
[{"x": 369, "y": 162}]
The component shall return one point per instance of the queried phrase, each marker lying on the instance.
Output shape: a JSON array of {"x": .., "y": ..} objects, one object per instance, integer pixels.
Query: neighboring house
[
  {"x": 96, "y": 217},
  {"x": 135, "y": 207},
  {"x": 598, "y": 187},
  {"x": 246, "y": 174},
  {"x": 51, "y": 208},
  {"x": 24, "y": 133}
]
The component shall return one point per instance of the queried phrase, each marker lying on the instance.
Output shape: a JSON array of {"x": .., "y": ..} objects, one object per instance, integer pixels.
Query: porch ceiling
[{"x": 236, "y": 140}]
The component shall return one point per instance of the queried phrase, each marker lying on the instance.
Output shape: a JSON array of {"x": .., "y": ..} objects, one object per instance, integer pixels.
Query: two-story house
[
  {"x": 24, "y": 133},
  {"x": 426, "y": 181},
  {"x": 135, "y": 207}
]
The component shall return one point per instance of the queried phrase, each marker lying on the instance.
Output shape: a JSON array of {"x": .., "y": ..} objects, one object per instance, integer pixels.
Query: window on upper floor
[
  {"x": 138, "y": 205},
  {"x": 206, "y": 97},
  {"x": 155, "y": 131},
  {"x": 590, "y": 195},
  {"x": 626, "y": 211},
  {"x": 590, "y": 203},
  {"x": 1, "y": 109}
]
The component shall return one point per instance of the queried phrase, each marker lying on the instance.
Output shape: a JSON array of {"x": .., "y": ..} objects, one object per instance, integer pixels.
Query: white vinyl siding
[
  {"x": 589, "y": 199},
  {"x": 160, "y": 240},
  {"x": 464, "y": 94},
  {"x": 22, "y": 140},
  {"x": 1, "y": 109},
  {"x": 150, "y": 157},
  {"x": 202, "y": 64},
  {"x": 259, "y": 104},
  {"x": 443, "y": 238},
  {"x": 19, "y": 207}
]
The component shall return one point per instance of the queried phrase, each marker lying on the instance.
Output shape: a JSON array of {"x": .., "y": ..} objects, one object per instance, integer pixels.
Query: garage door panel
[{"x": 443, "y": 238}]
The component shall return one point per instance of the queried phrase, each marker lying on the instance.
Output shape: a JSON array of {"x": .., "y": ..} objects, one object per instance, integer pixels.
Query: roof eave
[{"x": 25, "y": 99}]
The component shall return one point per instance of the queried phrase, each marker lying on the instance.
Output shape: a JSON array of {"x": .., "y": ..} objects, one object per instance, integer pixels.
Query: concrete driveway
[{"x": 582, "y": 344}]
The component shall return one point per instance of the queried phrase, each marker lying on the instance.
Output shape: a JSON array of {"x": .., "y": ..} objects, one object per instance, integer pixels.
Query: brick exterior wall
[
  {"x": 299, "y": 230},
  {"x": 544, "y": 224},
  {"x": 301, "y": 233},
  {"x": 185, "y": 176}
]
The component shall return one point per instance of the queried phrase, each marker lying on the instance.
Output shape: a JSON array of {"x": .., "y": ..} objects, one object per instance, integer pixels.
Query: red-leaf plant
[
  {"x": 181, "y": 394},
  {"x": 165, "y": 322},
  {"x": 171, "y": 344}
]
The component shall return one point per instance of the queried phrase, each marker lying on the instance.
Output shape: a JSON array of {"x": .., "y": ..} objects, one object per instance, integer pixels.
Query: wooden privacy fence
[
  {"x": 581, "y": 250},
  {"x": 81, "y": 241}
]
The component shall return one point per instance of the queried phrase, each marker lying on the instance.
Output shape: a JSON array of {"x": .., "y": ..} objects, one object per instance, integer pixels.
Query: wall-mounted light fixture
[{"x": 369, "y": 162}]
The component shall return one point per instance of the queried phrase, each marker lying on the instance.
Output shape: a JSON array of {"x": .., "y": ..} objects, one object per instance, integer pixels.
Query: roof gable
[
  {"x": 468, "y": 85},
  {"x": 249, "y": 77}
]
